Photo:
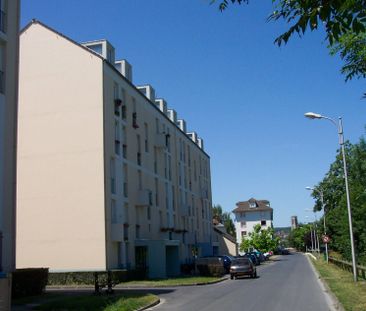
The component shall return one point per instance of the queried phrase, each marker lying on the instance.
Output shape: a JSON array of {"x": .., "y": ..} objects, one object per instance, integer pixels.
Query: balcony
[{"x": 144, "y": 198}]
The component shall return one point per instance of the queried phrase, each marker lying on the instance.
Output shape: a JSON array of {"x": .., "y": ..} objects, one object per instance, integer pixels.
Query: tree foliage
[
  {"x": 263, "y": 240},
  {"x": 335, "y": 202},
  {"x": 300, "y": 237},
  {"x": 344, "y": 22},
  {"x": 224, "y": 218}
]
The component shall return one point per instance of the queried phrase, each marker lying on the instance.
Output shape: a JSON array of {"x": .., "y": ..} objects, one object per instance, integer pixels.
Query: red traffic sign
[{"x": 326, "y": 239}]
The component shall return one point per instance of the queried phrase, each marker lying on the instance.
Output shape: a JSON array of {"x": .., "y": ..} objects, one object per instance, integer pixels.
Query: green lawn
[
  {"x": 189, "y": 280},
  {"x": 350, "y": 294},
  {"x": 89, "y": 302}
]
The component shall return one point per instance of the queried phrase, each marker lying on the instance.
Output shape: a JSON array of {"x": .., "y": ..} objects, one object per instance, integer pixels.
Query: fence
[{"x": 345, "y": 265}]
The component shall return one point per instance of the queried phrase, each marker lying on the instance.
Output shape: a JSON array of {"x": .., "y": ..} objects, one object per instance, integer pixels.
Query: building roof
[
  {"x": 224, "y": 234},
  {"x": 253, "y": 205}
]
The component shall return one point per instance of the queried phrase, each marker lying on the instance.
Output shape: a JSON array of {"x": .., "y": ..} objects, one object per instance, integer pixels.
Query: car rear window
[{"x": 241, "y": 261}]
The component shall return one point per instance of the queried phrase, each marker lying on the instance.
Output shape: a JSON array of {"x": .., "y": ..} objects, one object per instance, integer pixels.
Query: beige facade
[
  {"x": 223, "y": 243},
  {"x": 9, "y": 47},
  {"x": 108, "y": 177}
]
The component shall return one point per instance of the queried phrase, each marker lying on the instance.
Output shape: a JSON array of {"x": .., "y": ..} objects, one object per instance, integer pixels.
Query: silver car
[{"x": 242, "y": 266}]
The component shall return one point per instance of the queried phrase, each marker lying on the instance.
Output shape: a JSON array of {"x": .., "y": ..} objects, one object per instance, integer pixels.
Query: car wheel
[
  {"x": 255, "y": 274},
  {"x": 231, "y": 276}
]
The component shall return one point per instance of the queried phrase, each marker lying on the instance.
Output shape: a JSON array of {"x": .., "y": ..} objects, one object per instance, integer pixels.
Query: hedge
[
  {"x": 87, "y": 277},
  {"x": 29, "y": 282}
]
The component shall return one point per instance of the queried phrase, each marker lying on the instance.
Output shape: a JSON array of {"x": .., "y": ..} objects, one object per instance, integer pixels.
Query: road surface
[{"x": 288, "y": 284}]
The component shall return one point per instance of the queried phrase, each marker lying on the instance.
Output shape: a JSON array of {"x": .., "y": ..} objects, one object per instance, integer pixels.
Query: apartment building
[
  {"x": 108, "y": 176},
  {"x": 9, "y": 47},
  {"x": 249, "y": 213}
]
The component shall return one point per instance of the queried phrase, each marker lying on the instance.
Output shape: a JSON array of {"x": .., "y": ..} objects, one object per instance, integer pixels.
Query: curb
[
  {"x": 169, "y": 286},
  {"x": 332, "y": 299},
  {"x": 153, "y": 304}
]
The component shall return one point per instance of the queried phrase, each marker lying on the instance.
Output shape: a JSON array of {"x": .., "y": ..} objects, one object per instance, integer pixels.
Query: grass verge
[
  {"x": 125, "y": 302},
  {"x": 350, "y": 294},
  {"x": 180, "y": 281}
]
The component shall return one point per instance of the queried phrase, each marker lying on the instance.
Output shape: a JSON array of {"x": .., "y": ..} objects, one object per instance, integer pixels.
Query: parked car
[
  {"x": 226, "y": 259},
  {"x": 241, "y": 267},
  {"x": 253, "y": 258},
  {"x": 257, "y": 256}
]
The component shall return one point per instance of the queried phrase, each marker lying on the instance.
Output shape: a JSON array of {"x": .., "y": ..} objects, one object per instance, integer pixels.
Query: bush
[
  {"x": 187, "y": 268},
  {"x": 87, "y": 277},
  {"x": 29, "y": 282}
]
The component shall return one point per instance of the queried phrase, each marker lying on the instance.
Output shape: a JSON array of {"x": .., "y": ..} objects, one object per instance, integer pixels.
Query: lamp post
[
  {"x": 314, "y": 232},
  {"x": 311, "y": 236},
  {"x": 323, "y": 207},
  {"x": 339, "y": 126}
]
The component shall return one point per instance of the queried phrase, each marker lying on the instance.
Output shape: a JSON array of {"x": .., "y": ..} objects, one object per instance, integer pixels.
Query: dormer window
[{"x": 252, "y": 205}]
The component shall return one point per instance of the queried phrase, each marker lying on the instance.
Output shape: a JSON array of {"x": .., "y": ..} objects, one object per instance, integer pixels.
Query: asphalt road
[{"x": 289, "y": 284}]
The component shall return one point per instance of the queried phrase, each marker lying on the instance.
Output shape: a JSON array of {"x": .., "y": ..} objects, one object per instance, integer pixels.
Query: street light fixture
[
  {"x": 311, "y": 235},
  {"x": 339, "y": 126},
  {"x": 313, "y": 232},
  {"x": 323, "y": 207}
]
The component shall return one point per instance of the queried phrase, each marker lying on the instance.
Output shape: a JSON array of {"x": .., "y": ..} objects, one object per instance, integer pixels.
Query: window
[
  {"x": 113, "y": 176},
  {"x": 149, "y": 213},
  {"x": 113, "y": 212},
  {"x": 117, "y": 142},
  {"x": 139, "y": 174},
  {"x": 167, "y": 140},
  {"x": 138, "y": 140},
  {"x": 166, "y": 196},
  {"x": 252, "y": 204},
  {"x": 263, "y": 223},
  {"x": 134, "y": 115},
  {"x": 243, "y": 224},
  {"x": 124, "y": 146},
  {"x": 243, "y": 234},
  {"x": 137, "y": 231},
  {"x": 146, "y": 137},
  {"x": 157, "y": 125},
  {"x": 125, "y": 183},
  {"x": 117, "y": 101},
  {"x": 156, "y": 192},
  {"x": 155, "y": 160},
  {"x": 126, "y": 215}
]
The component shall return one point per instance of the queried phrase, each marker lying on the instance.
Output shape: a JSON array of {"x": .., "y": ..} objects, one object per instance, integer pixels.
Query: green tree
[
  {"x": 263, "y": 240},
  {"x": 344, "y": 22},
  {"x": 300, "y": 238},
  {"x": 333, "y": 188},
  {"x": 224, "y": 218}
]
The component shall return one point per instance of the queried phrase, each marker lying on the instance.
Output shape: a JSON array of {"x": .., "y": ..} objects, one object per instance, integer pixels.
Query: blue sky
[{"x": 245, "y": 96}]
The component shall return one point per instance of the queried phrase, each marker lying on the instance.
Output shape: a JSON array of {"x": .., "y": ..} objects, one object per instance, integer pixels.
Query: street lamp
[
  {"x": 313, "y": 231},
  {"x": 339, "y": 126},
  {"x": 323, "y": 207},
  {"x": 311, "y": 235}
]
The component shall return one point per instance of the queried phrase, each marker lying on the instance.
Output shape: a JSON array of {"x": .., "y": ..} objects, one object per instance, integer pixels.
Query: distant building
[
  {"x": 9, "y": 60},
  {"x": 250, "y": 213},
  {"x": 294, "y": 222}
]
